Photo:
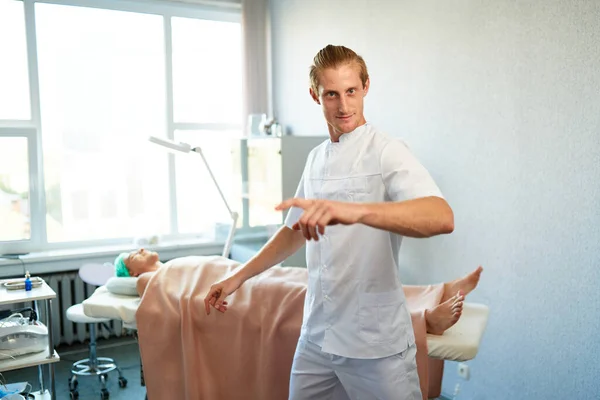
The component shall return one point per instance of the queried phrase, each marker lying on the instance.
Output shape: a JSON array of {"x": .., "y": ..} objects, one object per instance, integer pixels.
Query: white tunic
[{"x": 355, "y": 305}]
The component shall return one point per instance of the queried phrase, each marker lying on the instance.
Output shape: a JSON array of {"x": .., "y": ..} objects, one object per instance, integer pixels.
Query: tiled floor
[{"x": 123, "y": 350}]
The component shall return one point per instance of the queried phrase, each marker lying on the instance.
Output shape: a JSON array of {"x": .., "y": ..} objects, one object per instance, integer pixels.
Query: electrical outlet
[{"x": 463, "y": 371}]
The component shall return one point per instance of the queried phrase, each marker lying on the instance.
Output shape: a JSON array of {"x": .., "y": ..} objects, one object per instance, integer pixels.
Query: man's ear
[
  {"x": 367, "y": 85},
  {"x": 314, "y": 96}
]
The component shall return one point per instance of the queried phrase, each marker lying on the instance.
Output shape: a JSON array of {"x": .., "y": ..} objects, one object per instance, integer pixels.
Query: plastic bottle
[{"x": 27, "y": 282}]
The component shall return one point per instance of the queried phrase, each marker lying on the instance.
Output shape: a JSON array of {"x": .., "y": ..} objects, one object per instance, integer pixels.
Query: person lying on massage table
[{"x": 439, "y": 318}]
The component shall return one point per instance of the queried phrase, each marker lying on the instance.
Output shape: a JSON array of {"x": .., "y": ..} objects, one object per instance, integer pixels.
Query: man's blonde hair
[{"x": 332, "y": 57}]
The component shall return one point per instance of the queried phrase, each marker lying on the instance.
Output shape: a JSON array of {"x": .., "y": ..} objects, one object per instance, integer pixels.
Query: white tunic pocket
[
  {"x": 382, "y": 316},
  {"x": 356, "y": 188}
]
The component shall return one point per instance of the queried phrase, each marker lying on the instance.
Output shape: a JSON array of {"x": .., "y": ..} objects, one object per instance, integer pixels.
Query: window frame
[
  {"x": 32, "y": 128},
  {"x": 36, "y": 219}
]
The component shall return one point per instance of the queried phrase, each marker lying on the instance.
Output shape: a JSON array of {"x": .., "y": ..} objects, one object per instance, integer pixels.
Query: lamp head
[{"x": 171, "y": 144}]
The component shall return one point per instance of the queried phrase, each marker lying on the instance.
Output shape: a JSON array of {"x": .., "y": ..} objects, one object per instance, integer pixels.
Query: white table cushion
[
  {"x": 461, "y": 342},
  {"x": 104, "y": 304}
]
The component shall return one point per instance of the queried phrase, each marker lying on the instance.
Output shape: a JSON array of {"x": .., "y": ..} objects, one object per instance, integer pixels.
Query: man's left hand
[{"x": 320, "y": 213}]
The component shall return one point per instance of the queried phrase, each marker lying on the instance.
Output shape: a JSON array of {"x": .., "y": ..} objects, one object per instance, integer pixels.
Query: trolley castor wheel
[
  {"x": 74, "y": 394},
  {"x": 122, "y": 382},
  {"x": 104, "y": 395},
  {"x": 73, "y": 383}
]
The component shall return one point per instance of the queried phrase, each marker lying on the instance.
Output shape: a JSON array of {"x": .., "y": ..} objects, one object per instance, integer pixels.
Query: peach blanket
[{"x": 245, "y": 353}]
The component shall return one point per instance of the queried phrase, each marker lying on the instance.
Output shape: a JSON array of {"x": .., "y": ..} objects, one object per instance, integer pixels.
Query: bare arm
[
  {"x": 419, "y": 218},
  {"x": 283, "y": 244},
  {"x": 422, "y": 217}
]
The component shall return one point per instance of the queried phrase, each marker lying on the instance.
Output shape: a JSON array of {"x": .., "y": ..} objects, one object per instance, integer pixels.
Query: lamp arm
[{"x": 199, "y": 151}]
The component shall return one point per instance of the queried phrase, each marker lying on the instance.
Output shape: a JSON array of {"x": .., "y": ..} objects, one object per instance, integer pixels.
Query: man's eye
[
  {"x": 331, "y": 94},
  {"x": 351, "y": 91}
]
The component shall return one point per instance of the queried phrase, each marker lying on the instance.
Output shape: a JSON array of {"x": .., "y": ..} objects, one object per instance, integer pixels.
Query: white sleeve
[
  {"x": 403, "y": 175},
  {"x": 294, "y": 213}
]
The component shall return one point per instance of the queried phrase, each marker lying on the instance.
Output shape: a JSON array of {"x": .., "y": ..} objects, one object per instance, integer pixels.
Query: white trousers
[{"x": 321, "y": 376}]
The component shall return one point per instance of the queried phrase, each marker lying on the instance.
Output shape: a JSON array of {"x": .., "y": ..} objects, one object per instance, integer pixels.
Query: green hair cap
[{"x": 120, "y": 267}]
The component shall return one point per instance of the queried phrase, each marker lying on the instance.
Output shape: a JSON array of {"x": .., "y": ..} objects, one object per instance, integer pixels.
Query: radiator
[{"x": 70, "y": 290}]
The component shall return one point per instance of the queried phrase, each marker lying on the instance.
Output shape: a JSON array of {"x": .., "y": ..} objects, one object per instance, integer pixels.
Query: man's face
[
  {"x": 141, "y": 261},
  {"x": 341, "y": 95}
]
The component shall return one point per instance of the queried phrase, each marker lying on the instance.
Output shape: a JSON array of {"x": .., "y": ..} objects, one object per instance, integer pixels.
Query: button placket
[{"x": 325, "y": 294}]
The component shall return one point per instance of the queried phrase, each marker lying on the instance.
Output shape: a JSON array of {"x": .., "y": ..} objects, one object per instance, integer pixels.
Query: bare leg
[
  {"x": 445, "y": 315},
  {"x": 466, "y": 284}
]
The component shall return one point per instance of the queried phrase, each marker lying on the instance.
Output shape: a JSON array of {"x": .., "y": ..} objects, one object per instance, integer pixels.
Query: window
[
  {"x": 102, "y": 92},
  {"x": 14, "y": 189},
  {"x": 106, "y": 76},
  {"x": 14, "y": 78}
]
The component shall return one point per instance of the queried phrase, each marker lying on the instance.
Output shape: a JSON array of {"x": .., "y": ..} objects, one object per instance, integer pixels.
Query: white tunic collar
[{"x": 350, "y": 136}]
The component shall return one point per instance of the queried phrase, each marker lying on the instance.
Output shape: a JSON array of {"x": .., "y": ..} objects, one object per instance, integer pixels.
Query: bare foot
[
  {"x": 445, "y": 315},
  {"x": 466, "y": 284}
]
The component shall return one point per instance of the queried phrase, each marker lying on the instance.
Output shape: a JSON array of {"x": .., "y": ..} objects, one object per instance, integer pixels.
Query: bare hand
[
  {"x": 320, "y": 213},
  {"x": 218, "y": 292}
]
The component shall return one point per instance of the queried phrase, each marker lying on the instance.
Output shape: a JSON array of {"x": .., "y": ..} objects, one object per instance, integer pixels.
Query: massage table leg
[
  {"x": 142, "y": 381},
  {"x": 436, "y": 372}
]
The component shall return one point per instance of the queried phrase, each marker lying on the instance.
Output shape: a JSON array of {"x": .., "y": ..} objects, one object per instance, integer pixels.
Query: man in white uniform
[{"x": 360, "y": 193}]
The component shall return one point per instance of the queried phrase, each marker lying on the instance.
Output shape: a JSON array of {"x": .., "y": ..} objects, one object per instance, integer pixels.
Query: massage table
[{"x": 459, "y": 343}]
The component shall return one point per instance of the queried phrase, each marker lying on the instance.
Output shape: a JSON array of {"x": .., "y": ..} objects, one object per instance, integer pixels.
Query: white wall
[{"x": 501, "y": 101}]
